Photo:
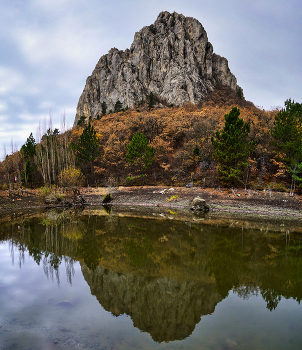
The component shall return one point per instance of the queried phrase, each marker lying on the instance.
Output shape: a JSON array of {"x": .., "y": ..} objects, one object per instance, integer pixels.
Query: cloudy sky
[{"x": 49, "y": 47}]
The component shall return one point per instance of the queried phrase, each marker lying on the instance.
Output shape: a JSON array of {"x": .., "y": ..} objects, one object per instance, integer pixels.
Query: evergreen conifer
[
  {"x": 231, "y": 149},
  {"x": 87, "y": 150},
  {"x": 118, "y": 106},
  {"x": 104, "y": 108},
  {"x": 139, "y": 152},
  {"x": 151, "y": 101}
]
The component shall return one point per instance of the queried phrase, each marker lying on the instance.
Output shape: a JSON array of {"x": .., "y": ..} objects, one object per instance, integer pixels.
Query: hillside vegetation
[{"x": 180, "y": 137}]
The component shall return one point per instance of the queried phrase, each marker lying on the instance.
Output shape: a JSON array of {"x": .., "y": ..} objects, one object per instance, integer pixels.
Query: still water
[{"x": 73, "y": 280}]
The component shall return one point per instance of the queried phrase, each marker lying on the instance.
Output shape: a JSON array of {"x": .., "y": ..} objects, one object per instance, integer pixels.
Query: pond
[{"x": 101, "y": 280}]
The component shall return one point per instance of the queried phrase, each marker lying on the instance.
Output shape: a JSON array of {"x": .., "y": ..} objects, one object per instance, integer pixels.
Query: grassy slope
[{"x": 174, "y": 132}]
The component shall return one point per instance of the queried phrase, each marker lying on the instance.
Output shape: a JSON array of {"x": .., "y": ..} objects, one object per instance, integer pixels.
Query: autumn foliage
[{"x": 181, "y": 138}]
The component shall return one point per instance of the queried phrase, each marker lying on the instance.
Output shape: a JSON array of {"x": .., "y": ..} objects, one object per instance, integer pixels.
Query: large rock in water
[{"x": 171, "y": 58}]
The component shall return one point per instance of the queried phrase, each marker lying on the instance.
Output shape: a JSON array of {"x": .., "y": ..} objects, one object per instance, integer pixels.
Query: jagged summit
[{"x": 171, "y": 58}]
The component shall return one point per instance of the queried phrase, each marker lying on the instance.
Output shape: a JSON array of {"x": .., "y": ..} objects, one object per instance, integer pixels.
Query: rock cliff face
[{"x": 171, "y": 58}]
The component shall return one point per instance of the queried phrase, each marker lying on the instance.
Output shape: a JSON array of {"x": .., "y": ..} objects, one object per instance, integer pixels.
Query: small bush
[
  {"x": 118, "y": 106},
  {"x": 279, "y": 187},
  {"x": 152, "y": 29},
  {"x": 135, "y": 180},
  {"x": 53, "y": 198},
  {"x": 81, "y": 121},
  {"x": 172, "y": 212},
  {"x": 107, "y": 198},
  {"x": 172, "y": 198},
  {"x": 47, "y": 190},
  {"x": 3, "y": 187},
  {"x": 60, "y": 196},
  {"x": 71, "y": 177},
  {"x": 240, "y": 93}
]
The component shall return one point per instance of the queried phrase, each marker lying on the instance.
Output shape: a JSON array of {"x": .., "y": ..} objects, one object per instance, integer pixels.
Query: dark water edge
[
  {"x": 269, "y": 221},
  {"x": 150, "y": 279}
]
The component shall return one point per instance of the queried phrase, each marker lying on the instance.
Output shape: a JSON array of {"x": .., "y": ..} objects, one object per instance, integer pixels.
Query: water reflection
[
  {"x": 165, "y": 308},
  {"x": 164, "y": 274}
]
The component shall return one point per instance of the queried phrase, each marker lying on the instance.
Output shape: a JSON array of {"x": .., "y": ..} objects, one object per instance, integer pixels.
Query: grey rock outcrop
[
  {"x": 171, "y": 58},
  {"x": 199, "y": 204}
]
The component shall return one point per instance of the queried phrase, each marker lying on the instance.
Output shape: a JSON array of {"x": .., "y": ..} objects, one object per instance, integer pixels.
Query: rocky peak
[{"x": 171, "y": 58}]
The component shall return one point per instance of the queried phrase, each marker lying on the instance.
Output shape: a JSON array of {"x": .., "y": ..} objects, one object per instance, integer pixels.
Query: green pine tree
[
  {"x": 240, "y": 93},
  {"x": 197, "y": 154},
  {"x": 28, "y": 151},
  {"x": 287, "y": 138},
  {"x": 104, "y": 108},
  {"x": 150, "y": 100},
  {"x": 196, "y": 151},
  {"x": 29, "y": 148},
  {"x": 231, "y": 149},
  {"x": 118, "y": 106},
  {"x": 87, "y": 150},
  {"x": 139, "y": 152},
  {"x": 81, "y": 121},
  {"x": 287, "y": 132}
]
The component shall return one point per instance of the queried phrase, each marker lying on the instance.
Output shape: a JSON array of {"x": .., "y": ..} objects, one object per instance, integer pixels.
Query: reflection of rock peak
[{"x": 168, "y": 310}]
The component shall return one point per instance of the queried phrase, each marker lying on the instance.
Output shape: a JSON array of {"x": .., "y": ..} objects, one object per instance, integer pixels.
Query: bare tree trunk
[
  {"x": 65, "y": 160},
  {"x": 16, "y": 163},
  {"x": 246, "y": 180},
  {"x": 53, "y": 145},
  {"x": 6, "y": 167},
  {"x": 293, "y": 184},
  {"x": 40, "y": 162},
  {"x": 48, "y": 162}
]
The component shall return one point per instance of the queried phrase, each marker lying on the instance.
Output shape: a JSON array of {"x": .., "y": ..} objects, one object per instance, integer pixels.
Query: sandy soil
[{"x": 226, "y": 200}]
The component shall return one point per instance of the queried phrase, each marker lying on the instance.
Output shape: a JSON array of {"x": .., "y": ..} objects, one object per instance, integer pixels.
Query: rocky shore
[{"x": 252, "y": 202}]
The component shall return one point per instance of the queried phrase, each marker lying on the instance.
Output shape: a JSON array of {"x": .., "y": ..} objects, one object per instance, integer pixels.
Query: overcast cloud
[{"x": 49, "y": 48}]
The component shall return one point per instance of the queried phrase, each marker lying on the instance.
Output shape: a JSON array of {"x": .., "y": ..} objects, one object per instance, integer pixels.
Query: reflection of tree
[
  {"x": 272, "y": 298},
  {"x": 252, "y": 263},
  {"x": 282, "y": 276},
  {"x": 51, "y": 263},
  {"x": 224, "y": 263},
  {"x": 69, "y": 269},
  {"x": 44, "y": 241},
  {"x": 246, "y": 291},
  {"x": 36, "y": 254},
  {"x": 245, "y": 261},
  {"x": 89, "y": 252}
]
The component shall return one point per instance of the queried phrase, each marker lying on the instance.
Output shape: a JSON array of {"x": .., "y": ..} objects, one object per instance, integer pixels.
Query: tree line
[{"x": 209, "y": 146}]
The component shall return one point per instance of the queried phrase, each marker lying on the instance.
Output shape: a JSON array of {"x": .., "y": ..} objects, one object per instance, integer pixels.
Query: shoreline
[{"x": 225, "y": 201}]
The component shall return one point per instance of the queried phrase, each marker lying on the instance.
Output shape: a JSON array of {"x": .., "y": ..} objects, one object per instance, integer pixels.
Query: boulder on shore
[{"x": 199, "y": 204}]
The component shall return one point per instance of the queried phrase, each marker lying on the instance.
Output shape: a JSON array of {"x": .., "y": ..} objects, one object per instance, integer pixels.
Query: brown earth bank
[{"x": 238, "y": 202}]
